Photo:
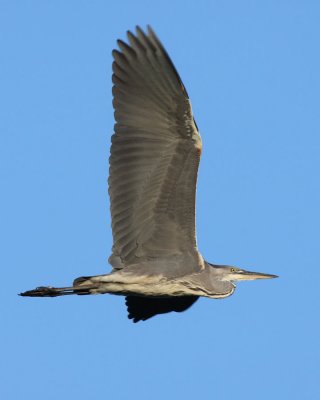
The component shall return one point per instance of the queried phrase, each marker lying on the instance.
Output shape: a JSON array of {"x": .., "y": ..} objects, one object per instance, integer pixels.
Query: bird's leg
[
  {"x": 48, "y": 291},
  {"x": 81, "y": 286}
]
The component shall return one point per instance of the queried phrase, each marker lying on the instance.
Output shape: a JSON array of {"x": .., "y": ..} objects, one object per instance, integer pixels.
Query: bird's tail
[{"x": 81, "y": 286}]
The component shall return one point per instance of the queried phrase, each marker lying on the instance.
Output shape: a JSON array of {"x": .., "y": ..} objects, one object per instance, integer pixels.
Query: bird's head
[{"x": 233, "y": 274}]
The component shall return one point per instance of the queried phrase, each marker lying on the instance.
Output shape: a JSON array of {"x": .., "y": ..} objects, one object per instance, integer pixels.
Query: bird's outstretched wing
[
  {"x": 143, "y": 308},
  {"x": 155, "y": 155}
]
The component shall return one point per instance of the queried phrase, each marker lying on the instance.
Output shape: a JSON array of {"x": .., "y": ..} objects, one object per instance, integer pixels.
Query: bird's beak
[{"x": 251, "y": 276}]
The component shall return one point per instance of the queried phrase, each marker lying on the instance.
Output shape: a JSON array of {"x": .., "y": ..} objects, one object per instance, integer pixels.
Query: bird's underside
[
  {"x": 148, "y": 292},
  {"x": 140, "y": 308},
  {"x": 141, "y": 300}
]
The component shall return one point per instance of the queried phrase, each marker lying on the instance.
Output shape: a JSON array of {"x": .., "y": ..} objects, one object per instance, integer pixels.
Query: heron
[{"x": 154, "y": 158}]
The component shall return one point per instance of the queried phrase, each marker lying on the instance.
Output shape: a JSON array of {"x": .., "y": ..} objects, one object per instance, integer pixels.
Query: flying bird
[{"x": 155, "y": 154}]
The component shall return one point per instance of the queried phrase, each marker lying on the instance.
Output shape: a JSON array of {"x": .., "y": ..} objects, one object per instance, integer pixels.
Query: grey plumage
[
  {"x": 154, "y": 161},
  {"x": 154, "y": 155}
]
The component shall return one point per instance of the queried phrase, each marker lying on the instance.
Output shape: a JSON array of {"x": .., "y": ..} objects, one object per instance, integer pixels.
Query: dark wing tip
[
  {"x": 150, "y": 30},
  {"x": 152, "y": 35},
  {"x": 139, "y": 30},
  {"x": 136, "y": 45}
]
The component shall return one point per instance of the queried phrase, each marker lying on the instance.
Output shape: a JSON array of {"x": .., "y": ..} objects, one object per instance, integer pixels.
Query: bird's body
[
  {"x": 151, "y": 279},
  {"x": 154, "y": 161}
]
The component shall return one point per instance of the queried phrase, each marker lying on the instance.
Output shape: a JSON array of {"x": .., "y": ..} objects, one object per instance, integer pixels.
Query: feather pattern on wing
[{"x": 155, "y": 155}]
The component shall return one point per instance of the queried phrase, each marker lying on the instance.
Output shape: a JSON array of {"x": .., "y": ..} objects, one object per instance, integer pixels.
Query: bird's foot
[{"x": 41, "y": 291}]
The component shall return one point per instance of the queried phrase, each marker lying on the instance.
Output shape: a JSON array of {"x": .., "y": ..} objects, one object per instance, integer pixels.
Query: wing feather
[{"x": 155, "y": 154}]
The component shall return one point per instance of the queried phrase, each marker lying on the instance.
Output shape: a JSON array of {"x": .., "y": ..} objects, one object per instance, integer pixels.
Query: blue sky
[{"x": 252, "y": 71}]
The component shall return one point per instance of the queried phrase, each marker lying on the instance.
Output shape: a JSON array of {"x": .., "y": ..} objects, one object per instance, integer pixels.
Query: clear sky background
[{"x": 252, "y": 71}]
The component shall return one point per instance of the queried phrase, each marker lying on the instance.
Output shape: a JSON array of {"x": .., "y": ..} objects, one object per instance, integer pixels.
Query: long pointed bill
[{"x": 251, "y": 276}]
